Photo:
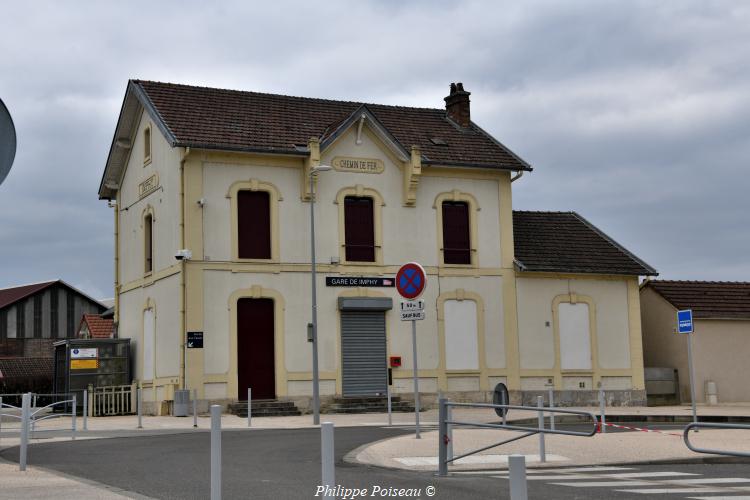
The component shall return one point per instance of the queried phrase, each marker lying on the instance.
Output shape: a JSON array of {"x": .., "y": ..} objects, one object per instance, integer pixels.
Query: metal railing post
[
  {"x": 249, "y": 407},
  {"x": 74, "y": 414},
  {"x": 442, "y": 436},
  {"x": 540, "y": 405},
  {"x": 25, "y": 413},
  {"x": 449, "y": 414},
  {"x": 1, "y": 413},
  {"x": 215, "y": 452},
  {"x": 195, "y": 408},
  {"x": 505, "y": 410},
  {"x": 139, "y": 405},
  {"x": 602, "y": 415},
  {"x": 85, "y": 409},
  {"x": 327, "y": 465},
  {"x": 390, "y": 414},
  {"x": 517, "y": 473},
  {"x": 552, "y": 405}
]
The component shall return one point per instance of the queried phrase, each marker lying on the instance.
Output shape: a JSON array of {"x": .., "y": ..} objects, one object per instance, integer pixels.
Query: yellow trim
[
  {"x": 474, "y": 208},
  {"x": 377, "y": 206},
  {"x": 274, "y": 198},
  {"x": 594, "y": 371},
  {"x": 507, "y": 250},
  {"x": 411, "y": 172},
  {"x": 150, "y": 279},
  {"x": 635, "y": 335},
  {"x": 443, "y": 373},
  {"x": 258, "y": 292}
]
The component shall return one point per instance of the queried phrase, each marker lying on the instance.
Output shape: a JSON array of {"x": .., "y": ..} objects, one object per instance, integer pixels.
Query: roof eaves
[
  {"x": 650, "y": 270},
  {"x": 148, "y": 105},
  {"x": 241, "y": 149},
  {"x": 528, "y": 167}
]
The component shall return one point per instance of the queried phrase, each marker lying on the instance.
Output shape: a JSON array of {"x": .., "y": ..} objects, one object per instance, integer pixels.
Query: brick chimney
[{"x": 457, "y": 105}]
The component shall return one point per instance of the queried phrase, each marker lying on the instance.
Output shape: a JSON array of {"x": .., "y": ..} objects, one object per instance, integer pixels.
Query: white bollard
[
  {"x": 85, "y": 409},
  {"x": 73, "y": 416},
  {"x": 327, "y": 465},
  {"x": 139, "y": 405},
  {"x": 551, "y": 405},
  {"x": 25, "y": 414},
  {"x": 195, "y": 408},
  {"x": 540, "y": 405},
  {"x": 249, "y": 407},
  {"x": 517, "y": 473},
  {"x": 215, "y": 452},
  {"x": 602, "y": 417}
]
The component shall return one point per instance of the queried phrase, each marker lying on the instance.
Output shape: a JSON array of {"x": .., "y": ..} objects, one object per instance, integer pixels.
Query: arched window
[
  {"x": 253, "y": 225},
  {"x": 148, "y": 240},
  {"x": 359, "y": 229}
]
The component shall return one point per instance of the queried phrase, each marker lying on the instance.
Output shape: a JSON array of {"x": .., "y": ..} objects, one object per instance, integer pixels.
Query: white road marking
[
  {"x": 603, "y": 484},
  {"x": 741, "y": 497},
  {"x": 592, "y": 469},
  {"x": 711, "y": 480},
  {"x": 634, "y": 475},
  {"x": 662, "y": 491},
  {"x": 476, "y": 459}
]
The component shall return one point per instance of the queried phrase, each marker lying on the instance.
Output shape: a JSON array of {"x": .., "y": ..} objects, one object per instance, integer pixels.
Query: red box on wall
[{"x": 395, "y": 361}]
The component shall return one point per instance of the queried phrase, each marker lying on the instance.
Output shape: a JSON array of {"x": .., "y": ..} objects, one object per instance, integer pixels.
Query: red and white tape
[{"x": 642, "y": 429}]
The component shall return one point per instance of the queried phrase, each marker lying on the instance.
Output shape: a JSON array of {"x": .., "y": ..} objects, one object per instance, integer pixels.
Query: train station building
[{"x": 211, "y": 192}]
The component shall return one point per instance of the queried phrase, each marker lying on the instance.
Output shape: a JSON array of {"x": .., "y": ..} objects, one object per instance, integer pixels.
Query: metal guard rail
[
  {"x": 443, "y": 423},
  {"x": 708, "y": 425}
]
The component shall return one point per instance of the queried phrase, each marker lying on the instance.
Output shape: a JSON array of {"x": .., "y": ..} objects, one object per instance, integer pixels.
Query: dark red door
[{"x": 255, "y": 350}]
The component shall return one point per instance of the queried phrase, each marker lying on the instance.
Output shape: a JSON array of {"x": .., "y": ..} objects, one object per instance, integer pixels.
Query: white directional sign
[
  {"x": 412, "y": 315},
  {"x": 412, "y": 310},
  {"x": 412, "y": 305}
]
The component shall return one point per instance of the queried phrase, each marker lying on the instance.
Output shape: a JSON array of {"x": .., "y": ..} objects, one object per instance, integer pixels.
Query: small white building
[{"x": 211, "y": 193}]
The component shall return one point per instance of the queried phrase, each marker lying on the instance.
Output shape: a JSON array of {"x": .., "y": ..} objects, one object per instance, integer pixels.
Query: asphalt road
[{"x": 285, "y": 464}]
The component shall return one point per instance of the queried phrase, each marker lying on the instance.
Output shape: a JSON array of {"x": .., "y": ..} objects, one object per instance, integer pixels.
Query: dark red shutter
[
  {"x": 456, "y": 238},
  {"x": 254, "y": 225},
  {"x": 359, "y": 229}
]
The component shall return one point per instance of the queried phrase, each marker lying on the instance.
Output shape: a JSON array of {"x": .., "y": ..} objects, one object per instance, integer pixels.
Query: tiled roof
[
  {"x": 212, "y": 118},
  {"x": 99, "y": 328},
  {"x": 566, "y": 242},
  {"x": 10, "y": 295},
  {"x": 25, "y": 367},
  {"x": 707, "y": 299}
]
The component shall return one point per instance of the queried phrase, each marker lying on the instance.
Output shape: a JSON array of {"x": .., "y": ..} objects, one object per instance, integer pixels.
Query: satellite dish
[{"x": 7, "y": 141}]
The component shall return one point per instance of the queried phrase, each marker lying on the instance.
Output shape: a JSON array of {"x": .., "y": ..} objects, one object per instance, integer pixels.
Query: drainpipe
[
  {"x": 517, "y": 176},
  {"x": 117, "y": 265},
  {"x": 183, "y": 279}
]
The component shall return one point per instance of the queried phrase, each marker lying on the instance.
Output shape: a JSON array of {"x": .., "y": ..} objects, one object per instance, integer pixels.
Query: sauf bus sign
[{"x": 685, "y": 321}]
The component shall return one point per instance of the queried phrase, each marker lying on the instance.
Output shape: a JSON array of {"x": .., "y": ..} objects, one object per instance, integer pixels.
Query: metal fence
[
  {"x": 446, "y": 422},
  {"x": 112, "y": 400},
  {"x": 708, "y": 425}
]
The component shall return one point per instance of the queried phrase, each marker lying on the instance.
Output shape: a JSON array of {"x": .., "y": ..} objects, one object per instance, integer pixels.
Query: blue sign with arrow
[{"x": 685, "y": 321}]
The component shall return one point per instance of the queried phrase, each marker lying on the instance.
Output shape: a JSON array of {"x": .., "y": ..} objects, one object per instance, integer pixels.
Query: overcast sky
[{"x": 634, "y": 114}]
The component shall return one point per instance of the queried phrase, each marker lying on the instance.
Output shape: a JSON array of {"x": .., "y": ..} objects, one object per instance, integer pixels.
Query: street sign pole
[
  {"x": 410, "y": 283},
  {"x": 692, "y": 374},
  {"x": 416, "y": 377},
  {"x": 685, "y": 325}
]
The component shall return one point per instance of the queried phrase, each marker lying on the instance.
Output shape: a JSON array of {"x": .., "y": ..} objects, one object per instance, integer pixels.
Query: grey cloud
[{"x": 633, "y": 114}]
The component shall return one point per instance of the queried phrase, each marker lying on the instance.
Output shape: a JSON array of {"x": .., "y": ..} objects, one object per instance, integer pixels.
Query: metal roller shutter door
[{"x": 363, "y": 353}]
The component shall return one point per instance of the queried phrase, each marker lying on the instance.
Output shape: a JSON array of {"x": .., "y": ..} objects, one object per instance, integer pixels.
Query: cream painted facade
[
  {"x": 611, "y": 316},
  {"x": 720, "y": 350},
  {"x": 510, "y": 317}
]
